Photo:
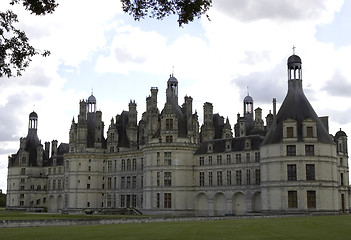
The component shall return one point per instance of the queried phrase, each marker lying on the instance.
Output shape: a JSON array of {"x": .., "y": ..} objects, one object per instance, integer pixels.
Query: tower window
[
  {"x": 291, "y": 150},
  {"x": 292, "y": 199},
  {"x": 167, "y": 179},
  {"x": 309, "y": 132},
  {"x": 168, "y": 158},
  {"x": 289, "y": 132},
  {"x": 309, "y": 150},
  {"x": 311, "y": 199},
  {"x": 310, "y": 172},
  {"x": 291, "y": 172}
]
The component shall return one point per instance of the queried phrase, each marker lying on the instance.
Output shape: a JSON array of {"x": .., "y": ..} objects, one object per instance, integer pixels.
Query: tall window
[
  {"x": 202, "y": 179},
  {"x": 123, "y": 201},
  {"x": 309, "y": 132},
  {"x": 238, "y": 158},
  {"x": 109, "y": 166},
  {"x": 202, "y": 161},
  {"x": 229, "y": 159},
  {"x": 128, "y": 165},
  {"x": 289, "y": 132},
  {"x": 167, "y": 200},
  {"x": 109, "y": 183},
  {"x": 158, "y": 158},
  {"x": 311, "y": 199},
  {"x": 310, "y": 172},
  {"x": 257, "y": 156},
  {"x": 229, "y": 178},
  {"x": 248, "y": 177},
  {"x": 158, "y": 200},
  {"x": 210, "y": 179},
  {"x": 168, "y": 158},
  {"x": 257, "y": 176},
  {"x": 238, "y": 177},
  {"x": 128, "y": 182},
  {"x": 134, "y": 182},
  {"x": 219, "y": 178},
  {"x": 247, "y": 157},
  {"x": 292, "y": 172},
  {"x": 309, "y": 150},
  {"x": 123, "y": 182},
  {"x": 123, "y": 166},
  {"x": 134, "y": 201},
  {"x": 341, "y": 179},
  {"x": 291, "y": 150},
  {"x": 169, "y": 124},
  {"x": 167, "y": 179},
  {"x": 158, "y": 178},
  {"x": 219, "y": 159},
  {"x": 292, "y": 199},
  {"x": 134, "y": 164},
  {"x": 209, "y": 160}
]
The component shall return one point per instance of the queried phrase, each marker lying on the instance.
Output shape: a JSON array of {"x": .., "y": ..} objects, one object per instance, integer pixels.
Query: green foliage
[
  {"x": 15, "y": 51},
  {"x": 321, "y": 227},
  {"x": 2, "y": 200},
  {"x": 186, "y": 10}
]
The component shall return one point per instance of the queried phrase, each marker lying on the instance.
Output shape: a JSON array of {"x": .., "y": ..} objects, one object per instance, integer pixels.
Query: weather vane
[{"x": 293, "y": 48}]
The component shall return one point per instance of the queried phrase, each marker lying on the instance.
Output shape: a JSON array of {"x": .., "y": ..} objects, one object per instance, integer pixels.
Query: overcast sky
[{"x": 94, "y": 45}]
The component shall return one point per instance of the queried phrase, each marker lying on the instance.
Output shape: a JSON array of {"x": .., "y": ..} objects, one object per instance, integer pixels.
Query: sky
[{"x": 242, "y": 49}]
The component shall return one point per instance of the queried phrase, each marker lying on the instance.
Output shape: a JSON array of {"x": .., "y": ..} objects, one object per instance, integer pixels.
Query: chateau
[{"x": 168, "y": 164}]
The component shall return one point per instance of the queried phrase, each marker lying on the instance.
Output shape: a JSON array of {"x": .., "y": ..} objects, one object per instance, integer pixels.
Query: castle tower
[
  {"x": 291, "y": 172},
  {"x": 207, "y": 129}
]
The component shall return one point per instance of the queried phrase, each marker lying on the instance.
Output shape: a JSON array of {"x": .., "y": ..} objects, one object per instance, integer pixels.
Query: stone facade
[{"x": 167, "y": 164}]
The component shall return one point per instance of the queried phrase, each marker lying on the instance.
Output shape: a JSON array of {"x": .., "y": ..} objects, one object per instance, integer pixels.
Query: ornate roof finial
[
  {"x": 293, "y": 48},
  {"x": 173, "y": 71},
  {"x": 248, "y": 93}
]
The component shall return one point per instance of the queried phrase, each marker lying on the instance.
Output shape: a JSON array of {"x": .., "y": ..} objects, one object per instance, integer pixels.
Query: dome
[
  {"x": 172, "y": 79},
  {"x": 248, "y": 98},
  {"x": 340, "y": 134},
  {"x": 92, "y": 99},
  {"x": 294, "y": 59},
  {"x": 33, "y": 115}
]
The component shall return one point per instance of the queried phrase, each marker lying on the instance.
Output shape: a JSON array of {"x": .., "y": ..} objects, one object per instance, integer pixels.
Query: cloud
[
  {"x": 263, "y": 86},
  {"x": 277, "y": 10},
  {"x": 10, "y": 120},
  {"x": 338, "y": 85}
]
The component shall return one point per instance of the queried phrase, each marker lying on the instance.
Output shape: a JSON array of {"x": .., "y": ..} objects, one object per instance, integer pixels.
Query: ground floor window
[
  {"x": 311, "y": 199},
  {"x": 292, "y": 199},
  {"x": 167, "y": 200}
]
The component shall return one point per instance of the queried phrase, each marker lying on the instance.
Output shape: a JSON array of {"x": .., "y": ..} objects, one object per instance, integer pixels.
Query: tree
[
  {"x": 15, "y": 50},
  {"x": 16, "y": 53},
  {"x": 186, "y": 10}
]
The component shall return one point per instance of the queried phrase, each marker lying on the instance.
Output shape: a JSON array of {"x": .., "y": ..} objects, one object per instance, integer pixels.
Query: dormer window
[
  {"x": 210, "y": 148},
  {"x": 309, "y": 129},
  {"x": 169, "y": 124},
  {"x": 289, "y": 129},
  {"x": 289, "y": 132}
]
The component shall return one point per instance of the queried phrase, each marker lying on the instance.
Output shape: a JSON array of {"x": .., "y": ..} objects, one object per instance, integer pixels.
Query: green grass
[{"x": 321, "y": 227}]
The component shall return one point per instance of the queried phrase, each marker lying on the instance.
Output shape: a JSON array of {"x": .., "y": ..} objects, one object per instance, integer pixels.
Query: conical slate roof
[{"x": 296, "y": 107}]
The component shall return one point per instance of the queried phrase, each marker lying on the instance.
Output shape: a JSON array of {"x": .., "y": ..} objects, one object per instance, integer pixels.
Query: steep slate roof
[{"x": 297, "y": 107}]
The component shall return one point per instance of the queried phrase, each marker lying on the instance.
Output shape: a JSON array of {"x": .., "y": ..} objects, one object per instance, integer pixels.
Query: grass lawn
[{"x": 319, "y": 227}]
